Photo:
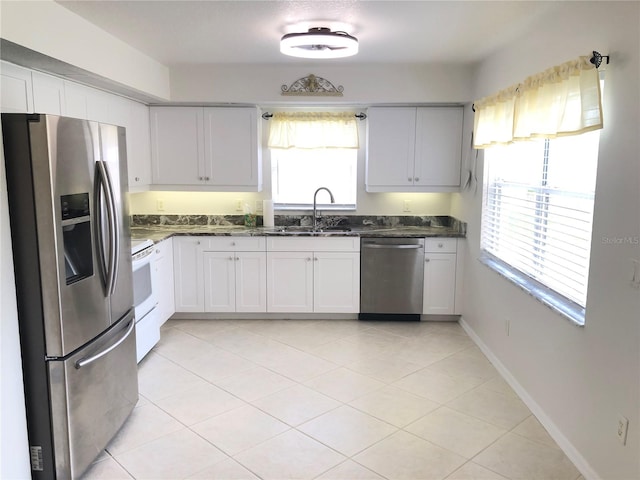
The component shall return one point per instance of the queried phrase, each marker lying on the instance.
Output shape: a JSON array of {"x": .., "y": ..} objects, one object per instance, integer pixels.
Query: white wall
[
  {"x": 14, "y": 445},
  {"x": 204, "y": 203},
  {"x": 363, "y": 84},
  {"x": 576, "y": 379},
  {"x": 50, "y": 29}
]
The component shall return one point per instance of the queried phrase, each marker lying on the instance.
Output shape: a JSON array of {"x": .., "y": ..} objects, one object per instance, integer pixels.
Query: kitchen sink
[{"x": 304, "y": 230}]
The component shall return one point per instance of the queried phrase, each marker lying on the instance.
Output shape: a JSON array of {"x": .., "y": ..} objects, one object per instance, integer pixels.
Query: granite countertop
[{"x": 157, "y": 233}]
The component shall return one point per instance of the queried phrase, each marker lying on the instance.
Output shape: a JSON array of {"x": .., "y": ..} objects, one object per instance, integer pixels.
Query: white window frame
[{"x": 306, "y": 203}]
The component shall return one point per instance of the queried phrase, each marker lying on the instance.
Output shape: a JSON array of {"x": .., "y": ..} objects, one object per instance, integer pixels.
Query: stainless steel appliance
[
  {"x": 145, "y": 301},
  {"x": 72, "y": 254},
  {"x": 391, "y": 278}
]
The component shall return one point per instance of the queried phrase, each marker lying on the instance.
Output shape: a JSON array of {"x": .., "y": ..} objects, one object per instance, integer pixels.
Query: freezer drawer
[{"x": 92, "y": 394}]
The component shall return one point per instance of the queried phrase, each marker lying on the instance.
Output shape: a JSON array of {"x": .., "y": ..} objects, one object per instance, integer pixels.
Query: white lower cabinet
[
  {"x": 290, "y": 282},
  {"x": 439, "y": 276},
  {"x": 336, "y": 282},
  {"x": 320, "y": 275},
  {"x": 189, "y": 274},
  {"x": 235, "y": 281},
  {"x": 164, "y": 280},
  {"x": 293, "y": 274},
  {"x": 220, "y": 274}
]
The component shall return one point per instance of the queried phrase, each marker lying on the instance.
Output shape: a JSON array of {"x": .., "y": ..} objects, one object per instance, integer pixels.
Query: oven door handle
[
  {"x": 86, "y": 361},
  {"x": 139, "y": 258}
]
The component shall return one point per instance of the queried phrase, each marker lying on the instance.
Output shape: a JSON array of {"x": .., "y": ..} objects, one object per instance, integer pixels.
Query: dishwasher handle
[{"x": 392, "y": 246}]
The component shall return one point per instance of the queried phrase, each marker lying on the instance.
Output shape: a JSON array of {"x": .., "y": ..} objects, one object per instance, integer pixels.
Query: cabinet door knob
[
  {"x": 206, "y": 178},
  {"x": 417, "y": 179},
  {"x": 410, "y": 179},
  {"x": 316, "y": 259},
  {"x": 231, "y": 258},
  {"x": 233, "y": 244},
  {"x": 158, "y": 251},
  {"x": 426, "y": 260},
  {"x": 137, "y": 179},
  {"x": 198, "y": 242},
  {"x": 308, "y": 259},
  {"x": 440, "y": 245}
]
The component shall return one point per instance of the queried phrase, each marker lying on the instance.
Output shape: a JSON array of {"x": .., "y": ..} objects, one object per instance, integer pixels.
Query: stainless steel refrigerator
[{"x": 66, "y": 180}]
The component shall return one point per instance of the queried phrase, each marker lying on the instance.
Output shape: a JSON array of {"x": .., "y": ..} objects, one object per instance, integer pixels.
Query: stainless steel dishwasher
[{"x": 391, "y": 278}]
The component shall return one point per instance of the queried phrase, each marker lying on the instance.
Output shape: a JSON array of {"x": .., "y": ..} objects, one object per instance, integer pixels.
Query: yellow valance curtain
[
  {"x": 563, "y": 100},
  {"x": 313, "y": 130}
]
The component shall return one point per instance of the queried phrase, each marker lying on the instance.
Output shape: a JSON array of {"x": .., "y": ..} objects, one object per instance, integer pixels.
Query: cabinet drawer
[
  {"x": 316, "y": 244},
  {"x": 440, "y": 245},
  {"x": 233, "y": 244}
]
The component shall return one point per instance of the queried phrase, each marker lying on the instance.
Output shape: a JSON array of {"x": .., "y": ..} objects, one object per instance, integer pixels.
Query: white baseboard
[{"x": 567, "y": 447}]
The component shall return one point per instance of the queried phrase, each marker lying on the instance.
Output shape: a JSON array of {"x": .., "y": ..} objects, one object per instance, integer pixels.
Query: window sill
[{"x": 544, "y": 295}]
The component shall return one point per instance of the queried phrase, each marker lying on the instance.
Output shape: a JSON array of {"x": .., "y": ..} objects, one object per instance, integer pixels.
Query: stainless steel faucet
[{"x": 315, "y": 220}]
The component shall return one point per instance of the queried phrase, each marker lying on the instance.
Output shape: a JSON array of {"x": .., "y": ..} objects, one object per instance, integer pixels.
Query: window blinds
[{"x": 538, "y": 210}]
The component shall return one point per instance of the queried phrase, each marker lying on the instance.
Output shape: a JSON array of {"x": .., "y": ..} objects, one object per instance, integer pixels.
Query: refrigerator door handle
[
  {"x": 86, "y": 361},
  {"x": 107, "y": 190}
]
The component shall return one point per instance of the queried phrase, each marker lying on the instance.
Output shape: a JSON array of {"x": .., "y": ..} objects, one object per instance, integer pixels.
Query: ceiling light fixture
[{"x": 319, "y": 42}]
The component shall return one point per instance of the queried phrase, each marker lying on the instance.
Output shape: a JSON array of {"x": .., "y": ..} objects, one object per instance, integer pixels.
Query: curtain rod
[
  {"x": 361, "y": 116},
  {"x": 596, "y": 59}
]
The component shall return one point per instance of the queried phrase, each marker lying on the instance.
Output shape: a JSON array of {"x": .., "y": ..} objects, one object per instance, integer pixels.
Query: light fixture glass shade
[{"x": 319, "y": 42}]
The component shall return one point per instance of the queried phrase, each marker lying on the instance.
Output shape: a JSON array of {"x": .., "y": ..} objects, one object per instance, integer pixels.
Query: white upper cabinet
[
  {"x": 177, "y": 145},
  {"x": 231, "y": 147},
  {"x": 48, "y": 94},
  {"x": 413, "y": 149},
  {"x": 438, "y": 146},
  {"x": 138, "y": 146},
  {"x": 28, "y": 91},
  {"x": 213, "y": 148},
  {"x": 118, "y": 111},
  {"x": 16, "y": 95},
  {"x": 391, "y": 146},
  {"x": 85, "y": 102}
]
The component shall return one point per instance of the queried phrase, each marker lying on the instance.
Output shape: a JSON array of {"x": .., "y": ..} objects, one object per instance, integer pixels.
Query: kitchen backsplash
[{"x": 304, "y": 220}]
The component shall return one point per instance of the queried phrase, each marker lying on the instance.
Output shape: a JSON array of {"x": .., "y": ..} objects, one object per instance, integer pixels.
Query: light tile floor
[{"x": 289, "y": 399}]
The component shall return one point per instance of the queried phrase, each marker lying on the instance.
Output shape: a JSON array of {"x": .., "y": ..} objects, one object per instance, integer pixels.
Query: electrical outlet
[
  {"x": 258, "y": 206},
  {"x": 635, "y": 276},
  {"x": 406, "y": 206},
  {"x": 239, "y": 205},
  {"x": 623, "y": 427},
  {"x": 160, "y": 205}
]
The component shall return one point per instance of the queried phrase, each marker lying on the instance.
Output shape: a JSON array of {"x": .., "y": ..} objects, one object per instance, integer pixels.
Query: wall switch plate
[
  {"x": 406, "y": 206},
  {"x": 239, "y": 205},
  {"x": 160, "y": 205},
  {"x": 623, "y": 427}
]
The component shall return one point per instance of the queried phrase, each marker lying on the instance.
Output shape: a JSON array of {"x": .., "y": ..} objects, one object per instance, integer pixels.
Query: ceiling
[{"x": 182, "y": 32}]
